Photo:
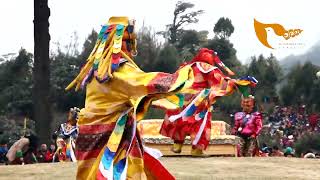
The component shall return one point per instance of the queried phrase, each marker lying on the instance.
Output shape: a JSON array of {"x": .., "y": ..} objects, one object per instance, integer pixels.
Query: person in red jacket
[
  {"x": 42, "y": 153},
  {"x": 50, "y": 153},
  {"x": 313, "y": 121},
  {"x": 61, "y": 152},
  {"x": 248, "y": 125}
]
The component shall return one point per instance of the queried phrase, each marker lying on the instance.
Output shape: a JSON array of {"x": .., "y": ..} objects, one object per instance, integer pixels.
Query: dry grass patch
[{"x": 187, "y": 168}]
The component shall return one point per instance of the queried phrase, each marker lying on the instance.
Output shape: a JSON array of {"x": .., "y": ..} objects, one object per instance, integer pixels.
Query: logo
[{"x": 264, "y": 31}]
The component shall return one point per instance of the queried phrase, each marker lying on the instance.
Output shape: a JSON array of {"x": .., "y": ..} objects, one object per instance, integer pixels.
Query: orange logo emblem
[{"x": 279, "y": 30}]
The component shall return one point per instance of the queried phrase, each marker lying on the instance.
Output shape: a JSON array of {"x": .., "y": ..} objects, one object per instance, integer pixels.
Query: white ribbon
[
  {"x": 203, "y": 124},
  {"x": 153, "y": 152}
]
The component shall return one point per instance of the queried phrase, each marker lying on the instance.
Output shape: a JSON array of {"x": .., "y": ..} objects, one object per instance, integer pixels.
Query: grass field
[{"x": 190, "y": 168}]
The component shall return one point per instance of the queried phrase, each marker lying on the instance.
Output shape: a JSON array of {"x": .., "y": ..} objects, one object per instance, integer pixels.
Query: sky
[{"x": 81, "y": 16}]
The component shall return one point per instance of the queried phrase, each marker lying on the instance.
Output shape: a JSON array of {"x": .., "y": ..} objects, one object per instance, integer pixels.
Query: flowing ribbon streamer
[
  {"x": 190, "y": 109},
  {"x": 107, "y": 167}
]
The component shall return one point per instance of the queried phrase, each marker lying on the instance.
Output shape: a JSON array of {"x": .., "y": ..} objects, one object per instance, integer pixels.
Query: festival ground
[{"x": 189, "y": 168}]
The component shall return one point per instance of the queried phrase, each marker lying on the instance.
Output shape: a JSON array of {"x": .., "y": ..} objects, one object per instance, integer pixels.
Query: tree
[
  {"x": 221, "y": 43},
  {"x": 225, "y": 51},
  {"x": 302, "y": 86},
  {"x": 63, "y": 70},
  {"x": 16, "y": 84},
  {"x": 64, "y": 67},
  {"x": 273, "y": 72},
  {"x": 223, "y": 28},
  {"x": 287, "y": 94},
  {"x": 260, "y": 70},
  {"x": 88, "y": 45},
  {"x": 41, "y": 71},
  {"x": 168, "y": 60},
  {"x": 268, "y": 72},
  {"x": 72, "y": 47},
  {"x": 148, "y": 49},
  {"x": 181, "y": 17}
]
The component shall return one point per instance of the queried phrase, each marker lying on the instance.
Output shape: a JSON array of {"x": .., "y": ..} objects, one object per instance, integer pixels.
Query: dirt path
[{"x": 190, "y": 168}]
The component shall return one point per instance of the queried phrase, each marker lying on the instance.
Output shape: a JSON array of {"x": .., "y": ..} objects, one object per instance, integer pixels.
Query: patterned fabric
[
  {"x": 66, "y": 136},
  {"x": 178, "y": 130},
  {"x": 198, "y": 110},
  {"x": 245, "y": 84},
  {"x": 118, "y": 94},
  {"x": 67, "y": 130},
  {"x": 248, "y": 147},
  {"x": 247, "y": 127},
  {"x": 194, "y": 118},
  {"x": 247, "y": 124},
  {"x": 61, "y": 152}
]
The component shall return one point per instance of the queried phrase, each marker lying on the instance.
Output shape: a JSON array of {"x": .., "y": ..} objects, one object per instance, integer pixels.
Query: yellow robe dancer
[{"x": 118, "y": 94}]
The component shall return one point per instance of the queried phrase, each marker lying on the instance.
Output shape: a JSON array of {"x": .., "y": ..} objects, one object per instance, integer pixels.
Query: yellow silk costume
[{"x": 118, "y": 94}]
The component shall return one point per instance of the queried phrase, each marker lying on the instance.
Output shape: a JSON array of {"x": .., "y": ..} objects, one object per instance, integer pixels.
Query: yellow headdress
[{"x": 115, "y": 44}]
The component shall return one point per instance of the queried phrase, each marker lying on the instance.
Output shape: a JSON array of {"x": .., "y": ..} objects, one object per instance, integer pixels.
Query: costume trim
[
  {"x": 107, "y": 53},
  {"x": 203, "y": 124},
  {"x": 204, "y": 67}
]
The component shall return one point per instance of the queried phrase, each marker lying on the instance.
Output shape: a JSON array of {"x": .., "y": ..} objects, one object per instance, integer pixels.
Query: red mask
[{"x": 210, "y": 57}]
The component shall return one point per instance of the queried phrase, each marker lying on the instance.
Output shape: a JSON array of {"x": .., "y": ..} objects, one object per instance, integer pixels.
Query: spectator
[
  {"x": 264, "y": 151},
  {"x": 290, "y": 141},
  {"x": 276, "y": 152},
  {"x": 42, "y": 153},
  {"x": 288, "y": 152},
  {"x": 50, "y": 153},
  {"x": 313, "y": 121},
  {"x": 288, "y": 124},
  {"x": 265, "y": 148},
  {"x": 3, "y": 152},
  {"x": 302, "y": 109},
  {"x": 289, "y": 129},
  {"x": 23, "y": 151},
  {"x": 61, "y": 152},
  {"x": 309, "y": 154}
]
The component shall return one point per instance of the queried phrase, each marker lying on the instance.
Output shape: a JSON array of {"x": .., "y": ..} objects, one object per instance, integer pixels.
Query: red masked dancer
[
  {"x": 199, "y": 126},
  {"x": 248, "y": 125}
]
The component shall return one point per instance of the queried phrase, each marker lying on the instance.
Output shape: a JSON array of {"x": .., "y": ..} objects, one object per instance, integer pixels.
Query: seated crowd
[{"x": 287, "y": 125}]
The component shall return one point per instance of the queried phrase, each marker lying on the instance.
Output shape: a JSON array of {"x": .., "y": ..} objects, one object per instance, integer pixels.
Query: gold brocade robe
[{"x": 129, "y": 92}]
